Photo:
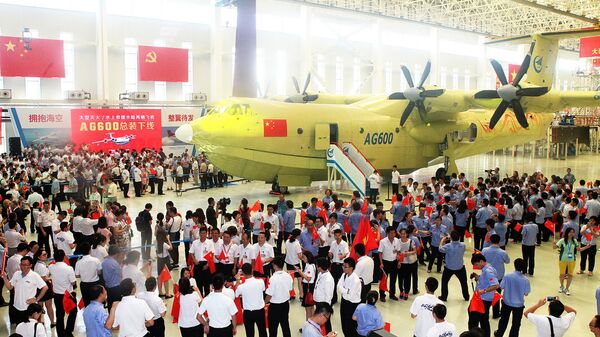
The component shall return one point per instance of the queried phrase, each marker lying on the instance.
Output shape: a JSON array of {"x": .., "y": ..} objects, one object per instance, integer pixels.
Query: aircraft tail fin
[{"x": 542, "y": 68}]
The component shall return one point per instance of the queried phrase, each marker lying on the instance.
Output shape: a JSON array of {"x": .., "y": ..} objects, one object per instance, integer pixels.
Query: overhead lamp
[
  {"x": 78, "y": 95},
  {"x": 135, "y": 96}
]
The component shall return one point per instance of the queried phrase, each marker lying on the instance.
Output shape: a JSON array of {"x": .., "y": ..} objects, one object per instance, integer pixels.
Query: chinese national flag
[
  {"x": 497, "y": 297},
  {"x": 550, "y": 225},
  {"x": 347, "y": 228},
  {"x": 258, "y": 265},
  {"x": 81, "y": 304},
  {"x": 468, "y": 234},
  {"x": 175, "y": 309},
  {"x": 518, "y": 227},
  {"x": 383, "y": 286},
  {"x": 45, "y": 58},
  {"x": 513, "y": 70},
  {"x": 255, "y": 207},
  {"x": 162, "y": 64},
  {"x": 222, "y": 256},
  {"x": 365, "y": 207},
  {"x": 302, "y": 216},
  {"x": 165, "y": 275},
  {"x": 275, "y": 127},
  {"x": 68, "y": 302},
  {"x": 210, "y": 259},
  {"x": 476, "y": 304}
]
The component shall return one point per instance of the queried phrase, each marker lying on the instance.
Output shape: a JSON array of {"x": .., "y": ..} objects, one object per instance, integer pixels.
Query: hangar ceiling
[{"x": 494, "y": 18}]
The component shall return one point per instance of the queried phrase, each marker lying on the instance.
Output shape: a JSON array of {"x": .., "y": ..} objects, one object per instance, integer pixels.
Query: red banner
[
  {"x": 513, "y": 70},
  {"x": 596, "y": 62},
  {"x": 43, "y": 58},
  {"x": 162, "y": 64},
  {"x": 589, "y": 46},
  {"x": 108, "y": 129}
]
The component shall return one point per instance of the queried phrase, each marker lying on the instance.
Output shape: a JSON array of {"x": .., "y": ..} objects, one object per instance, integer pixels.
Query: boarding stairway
[{"x": 351, "y": 164}]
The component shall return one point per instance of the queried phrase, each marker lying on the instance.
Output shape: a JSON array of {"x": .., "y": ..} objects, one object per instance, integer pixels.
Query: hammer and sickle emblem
[{"x": 151, "y": 57}]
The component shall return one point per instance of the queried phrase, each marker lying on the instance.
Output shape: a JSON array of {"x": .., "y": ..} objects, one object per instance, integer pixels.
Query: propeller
[
  {"x": 301, "y": 96},
  {"x": 416, "y": 94},
  {"x": 511, "y": 93},
  {"x": 260, "y": 93}
]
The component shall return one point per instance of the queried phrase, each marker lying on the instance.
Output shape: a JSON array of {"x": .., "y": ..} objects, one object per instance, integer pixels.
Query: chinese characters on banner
[
  {"x": 589, "y": 47},
  {"x": 107, "y": 129}
]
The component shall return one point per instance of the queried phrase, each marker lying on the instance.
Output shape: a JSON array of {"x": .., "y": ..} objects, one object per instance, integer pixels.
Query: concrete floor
[{"x": 545, "y": 282}]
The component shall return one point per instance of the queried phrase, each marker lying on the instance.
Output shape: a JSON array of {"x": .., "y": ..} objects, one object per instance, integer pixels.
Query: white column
[
  {"x": 216, "y": 57},
  {"x": 484, "y": 68},
  {"x": 377, "y": 85},
  {"x": 434, "y": 75},
  {"x": 306, "y": 64},
  {"x": 101, "y": 52}
]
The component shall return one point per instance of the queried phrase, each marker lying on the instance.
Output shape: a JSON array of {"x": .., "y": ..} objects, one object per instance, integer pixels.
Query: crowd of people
[{"x": 248, "y": 265}]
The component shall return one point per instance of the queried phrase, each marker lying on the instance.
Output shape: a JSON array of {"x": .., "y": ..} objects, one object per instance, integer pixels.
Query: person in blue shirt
[
  {"x": 289, "y": 219},
  {"x": 497, "y": 258},
  {"x": 307, "y": 239},
  {"x": 454, "y": 252},
  {"x": 411, "y": 230},
  {"x": 481, "y": 217},
  {"x": 55, "y": 191},
  {"x": 540, "y": 218},
  {"x": 461, "y": 218},
  {"x": 529, "y": 233},
  {"x": 438, "y": 231},
  {"x": 423, "y": 226},
  {"x": 354, "y": 219},
  {"x": 366, "y": 315},
  {"x": 487, "y": 283},
  {"x": 516, "y": 286},
  {"x": 112, "y": 274},
  {"x": 98, "y": 322},
  {"x": 489, "y": 226},
  {"x": 313, "y": 210},
  {"x": 572, "y": 223},
  {"x": 501, "y": 228},
  {"x": 398, "y": 210}
]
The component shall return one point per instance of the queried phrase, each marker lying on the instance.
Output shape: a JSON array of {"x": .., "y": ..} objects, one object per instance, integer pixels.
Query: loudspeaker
[
  {"x": 14, "y": 146},
  {"x": 380, "y": 333}
]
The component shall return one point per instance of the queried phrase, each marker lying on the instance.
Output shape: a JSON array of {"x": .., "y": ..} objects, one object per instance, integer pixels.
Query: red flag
[
  {"x": 345, "y": 204},
  {"x": 365, "y": 207},
  {"x": 258, "y": 266},
  {"x": 320, "y": 203},
  {"x": 222, "y": 256},
  {"x": 364, "y": 235},
  {"x": 401, "y": 257},
  {"x": 387, "y": 326},
  {"x": 66, "y": 261},
  {"x": 240, "y": 312},
  {"x": 275, "y": 127},
  {"x": 323, "y": 330},
  {"x": 583, "y": 211},
  {"x": 394, "y": 199},
  {"x": 44, "y": 58},
  {"x": 162, "y": 64},
  {"x": 487, "y": 237},
  {"x": 530, "y": 209},
  {"x": 588, "y": 237},
  {"x": 176, "y": 303},
  {"x": 81, "y": 304},
  {"x": 497, "y": 297},
  {"x": 190, "y": 263},
  {"x": 347, "y": 228},
  {"x": 406, "y": 200},
  {"x": 302, "y": 216},
  {"x": 501, "y": 209},
  {"x": 68, "y": 302},
  {"x": 323, "y": 214},
  {"x": 468, "y": 234},
  {"x": 383, "y": 286},
  {"x": 470, "y": 204},
  {"x": 165, "y": 275},
  {"x": 471, "y": 187},
  {"x": 476, "y": 304},
  {"x": 550, "y": 225},
  {"x": 518, "y": 227},
  {"x": 418, "y": 198},
  {"x": 255, "y": 207},
  {"x": 292, "y": 292},
  {"x": 428, "y": 210},
  {"x": 4, "y": 260},
  {"x": 314, "y": 234},
  {"x": 210, "y": 259}
]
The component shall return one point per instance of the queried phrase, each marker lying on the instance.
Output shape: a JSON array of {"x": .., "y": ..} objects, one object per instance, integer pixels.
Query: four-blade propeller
[
  {"x": 416, "y": 94},
  {"x": 301, "y": 96},
  {"x": 511, "y": 93}
]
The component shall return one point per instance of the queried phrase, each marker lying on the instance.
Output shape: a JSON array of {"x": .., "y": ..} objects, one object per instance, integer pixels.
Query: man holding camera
[
  {"x": 553, "y": 324},
  {"x": 487, "y": 283}
]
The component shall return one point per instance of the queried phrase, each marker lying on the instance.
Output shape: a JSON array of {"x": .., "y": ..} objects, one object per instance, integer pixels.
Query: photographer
[
  {"x": 487, "y": 283},
  {"x": 553, "y": 324}
]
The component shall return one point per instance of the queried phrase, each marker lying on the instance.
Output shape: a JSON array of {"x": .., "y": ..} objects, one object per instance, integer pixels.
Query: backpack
[{"x": 140, "y": 224}]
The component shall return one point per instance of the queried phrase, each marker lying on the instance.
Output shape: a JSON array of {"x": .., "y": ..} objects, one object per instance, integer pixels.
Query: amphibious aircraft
[
  {"x": 287, "y": 144},
  {"x": 123, "y": 140}
]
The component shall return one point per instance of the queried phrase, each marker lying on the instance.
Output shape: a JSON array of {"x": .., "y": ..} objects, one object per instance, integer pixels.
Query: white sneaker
[
  {"x": 567, "y": 292},
  {"x": 561, "y": 289}
]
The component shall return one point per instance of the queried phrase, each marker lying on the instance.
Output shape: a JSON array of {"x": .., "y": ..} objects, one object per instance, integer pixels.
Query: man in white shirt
[
  {"x": 266, "y": 252},
  {"x": 422, "y": 307},
  {"x": 137, "y": 180},
  {"x": 225, "y": 253},
  {"x": 374, "y": 182},
  {"x": 25, "y": 286},
  {"x": 441, "y": 327},
  {"x": 174, "y": 227},
  {"x": 87, "y": 269},
  {"x": 156, "y": 305},
  {"x": 338, "y": 251},
  {"x": 251, "y": 292},
  {"x": 553, "y": 324},
  {"x": 364, "y": 270},
  {"x": 323, "y": 232},
  {"x": 324, "y": 286},
  {"x": 388, "y": 248},
  {"x": 221, "y": 311},
  {"x": 160, "y": 176},
  {"x": 350, "y": 288},
  {"x": 31, "y": 199},
  {"x": 63, "y": 280},
  {"x": 395, "y": 180},
  {"x": 200, "y": 248},
  {"x": 65, "y": 240},
  {"x": 132, "y": 315},
  {"x": 45, "y": 226},
  {"x": 278, "y": 295}
]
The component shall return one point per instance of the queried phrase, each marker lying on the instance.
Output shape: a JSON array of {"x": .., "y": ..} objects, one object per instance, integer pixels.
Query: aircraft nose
[{"x": 185, "y": 133}]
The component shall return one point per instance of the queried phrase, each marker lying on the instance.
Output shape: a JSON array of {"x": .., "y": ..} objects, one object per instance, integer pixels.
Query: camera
[
  {"x": 551, "y": 298},
  {"x": 222, "y": 204},
  {"x": 473, "y": 276}
]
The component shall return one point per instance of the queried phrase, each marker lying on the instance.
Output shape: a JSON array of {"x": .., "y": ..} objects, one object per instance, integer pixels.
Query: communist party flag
[
  {"x": 275, "y": 127},
  {"x": 162, "y": 64},
  {"x": 42, "y": 58}
]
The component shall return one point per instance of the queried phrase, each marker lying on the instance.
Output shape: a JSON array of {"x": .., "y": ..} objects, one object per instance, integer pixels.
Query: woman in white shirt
[
  {"x": 99, "y": 247},
  {"x": 308, "y": 282},
  {"x": 163, "y": 259},
  {"x": 34, "y": 326},
  {"x": 40, "y": 258},
  {"x": 189, "y": 310},
  {"x": 186, "y": 273},
  {"x": 293, "y": 254}
]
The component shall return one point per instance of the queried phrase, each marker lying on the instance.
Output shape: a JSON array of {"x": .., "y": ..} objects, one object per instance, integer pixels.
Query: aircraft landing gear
[{"x": 276, "y": 189}]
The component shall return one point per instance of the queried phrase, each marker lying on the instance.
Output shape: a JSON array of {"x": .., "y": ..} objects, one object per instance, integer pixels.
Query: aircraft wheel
[
  {"x": 440, "y": 173},
  {"x": 283, "y": 189},
  {"x": 275, "y": 187}
]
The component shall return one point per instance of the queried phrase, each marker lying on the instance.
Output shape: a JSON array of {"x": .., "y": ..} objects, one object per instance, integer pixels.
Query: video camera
[{"x": 222, "y": 204}]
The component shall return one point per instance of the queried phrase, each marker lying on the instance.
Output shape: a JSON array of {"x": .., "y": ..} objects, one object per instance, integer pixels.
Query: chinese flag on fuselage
[
  {"x": 275, "y": 127},
  {"x": 162, "y": 64},
  {"x": 44, "y": 58}
]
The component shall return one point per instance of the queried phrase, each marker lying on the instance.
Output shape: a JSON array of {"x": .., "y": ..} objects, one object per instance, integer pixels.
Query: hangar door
[{"x": 325, "y": 134}]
